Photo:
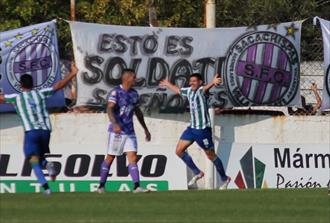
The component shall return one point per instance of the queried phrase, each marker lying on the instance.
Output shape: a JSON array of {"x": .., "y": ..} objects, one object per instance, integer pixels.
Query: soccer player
[
  {"x": 199, "y": 130},
  {"x": 30, "y": 105},
  {"x": 123, "y": 103}
]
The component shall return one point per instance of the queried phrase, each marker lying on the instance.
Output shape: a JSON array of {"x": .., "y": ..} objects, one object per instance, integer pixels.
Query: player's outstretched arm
[
  {"x": 318, "y": 98},
  {"x": 62, "y": 83},
  {"x": 216, "y": 81},
  {"x": 140, "y": 118},
  {"x": 166, "y": 83},
  {"x": 2, "y": 98}
]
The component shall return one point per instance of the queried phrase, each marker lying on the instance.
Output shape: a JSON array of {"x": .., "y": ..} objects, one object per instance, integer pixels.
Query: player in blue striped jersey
[
  {"x": 199, "y": 130},
  {"x": 30, "y": 105}
]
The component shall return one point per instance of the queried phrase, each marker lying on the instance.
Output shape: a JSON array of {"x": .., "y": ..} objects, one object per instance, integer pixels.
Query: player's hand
[
  {"x": 164, "y": 83},
  {"x": 117, "y": 128},
  {"x": 314, "y": 87},
  {"x": 74, "y": 69},
  {"x": 217, "y": 80},
  {"x": 148, "y": 135}
]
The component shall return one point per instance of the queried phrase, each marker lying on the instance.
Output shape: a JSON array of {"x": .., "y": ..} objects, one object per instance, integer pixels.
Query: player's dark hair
[
  {"x": 26, "y": 81},
  {"x": 197, "y": 75},
  {"x": 127, "y": 70}
]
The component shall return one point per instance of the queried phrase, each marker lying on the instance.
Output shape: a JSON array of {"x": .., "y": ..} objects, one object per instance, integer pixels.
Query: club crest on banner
[
  {"x": 262, "y": 68},
  {"x": 30, "y": 50},
  {"x": 35, "y": 56}
]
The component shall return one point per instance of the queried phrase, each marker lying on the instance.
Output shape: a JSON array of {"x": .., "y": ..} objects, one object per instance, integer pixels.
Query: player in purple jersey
[{"x": 123, "y": 103}]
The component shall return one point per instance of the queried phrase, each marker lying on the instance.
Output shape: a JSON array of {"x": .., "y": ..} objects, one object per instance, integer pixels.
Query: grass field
[{"x": 303, "y": 205}]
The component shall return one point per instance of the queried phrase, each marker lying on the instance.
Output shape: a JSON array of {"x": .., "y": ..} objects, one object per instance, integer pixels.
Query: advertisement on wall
[
  {"x": 277, "y": 165},
  {"x": 78, "y": 168}
]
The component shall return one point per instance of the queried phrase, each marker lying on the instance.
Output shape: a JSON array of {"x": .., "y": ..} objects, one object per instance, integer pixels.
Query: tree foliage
[{"x": 170, "y": 13}]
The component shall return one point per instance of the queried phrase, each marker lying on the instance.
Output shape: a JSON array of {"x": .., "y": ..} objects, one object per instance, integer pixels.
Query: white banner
[
  {"x": 277, "y": 165},
  {"x": 325, "y": 26},
  {"x": 160, "y": 169},
  {"x": 259, "y": 65}
]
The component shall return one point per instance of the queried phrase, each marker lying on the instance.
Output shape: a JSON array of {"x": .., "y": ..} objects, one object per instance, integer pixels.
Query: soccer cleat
[
  {"x": 47, "y": 192},
  {"x": 140, "y": 190},
  {"x": 196, "y": 178},
  {"x": 225, "y": 184},
  {"x": 100, "y": 190},
  {"x": 51, "y": 170}
]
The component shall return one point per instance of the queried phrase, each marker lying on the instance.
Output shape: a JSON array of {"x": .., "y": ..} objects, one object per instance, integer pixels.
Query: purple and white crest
[
  {"x": 262, "y": 68},
  {"x": 35, "y": 56}
]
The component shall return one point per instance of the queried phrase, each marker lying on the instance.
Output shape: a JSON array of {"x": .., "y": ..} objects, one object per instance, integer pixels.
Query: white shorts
[{"x": 119, "y": 144}]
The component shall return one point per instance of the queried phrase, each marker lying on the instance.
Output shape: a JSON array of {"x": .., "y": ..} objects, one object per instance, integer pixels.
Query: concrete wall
[{"x": 167, "y": 128}]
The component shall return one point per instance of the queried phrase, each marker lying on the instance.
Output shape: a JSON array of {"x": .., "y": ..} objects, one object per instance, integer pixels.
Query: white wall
[{"x": 167, "y": 128}]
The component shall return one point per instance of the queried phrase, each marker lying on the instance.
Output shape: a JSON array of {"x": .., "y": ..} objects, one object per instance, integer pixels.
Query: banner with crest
[
  {"x": 30, "y": 50},
  {"x": 325, "y": 26},
  {"x": 259, "y": 65}
]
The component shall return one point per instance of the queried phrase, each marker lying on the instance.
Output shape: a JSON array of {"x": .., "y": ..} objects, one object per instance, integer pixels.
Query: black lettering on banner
[
  {"x": 4, "y": 161},
  {"x": 323, "y": 158},
  {"x": 249, "y": 69},
  {"x": 203, "y": 66},
  {"x": 153, "y": 100},
  {"x": 156, "y": 64},
  {"x": 175, "y": 104},
  {"x": 135, "y": 63},
  {"x": 27, "y": 169},
  {"x": 99, "y": 97},
  {"x": 186, "y": 44},
  {"x": 97, "y": 74},
  {"x": 279, "y": 180},
  {"x": 181, "y": 70},
  {"x": 121, "y": 46},
  {"x": 109, "y": 76},
  {"x": 96, "y": 169},
  {"x": 150, "y": 44},
  {"x": 159, "y": 167},
  {"x": 57, "y": 165},
  {"x": 282, "y": 161},
  {"x": 171, "y": 45},
  {"x": 298, "y": 160},
  {"x": 71, "y": 164},
  {"x": 278, "y": 77},
  {"x": 105, "y": 43},
  {"x": 122, "y": 166},
  {"x": 133, "y": 40}
]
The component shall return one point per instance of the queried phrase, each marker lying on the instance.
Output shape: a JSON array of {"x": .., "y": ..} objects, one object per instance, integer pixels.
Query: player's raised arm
[
  {"x": 216, "y": 81},
  {"x": 140, "y": 118},
  {"x": 166, "y": 83},
  {"x": 62, "y": 83}
]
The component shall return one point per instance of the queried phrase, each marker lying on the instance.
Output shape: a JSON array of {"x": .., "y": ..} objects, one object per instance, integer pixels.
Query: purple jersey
[{"x": 125, "y": 101}]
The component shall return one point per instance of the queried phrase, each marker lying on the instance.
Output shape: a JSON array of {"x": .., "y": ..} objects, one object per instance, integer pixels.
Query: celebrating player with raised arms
[
  {"x": 199, "y": 130},
  {"x": 30, "y": 105}
]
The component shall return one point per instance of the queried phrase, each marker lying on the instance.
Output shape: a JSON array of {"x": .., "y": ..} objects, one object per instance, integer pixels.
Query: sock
[
  {"x": 190, "y": 163},
  {"x": 45, "y": 186},
  {"x": 105, "y": 166},
  {"x": 218, "y": 165},
  {"x": 134, "y": 172},
  {"x": 43, "y": 163},
  {"x": 38, "y": 172}
]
